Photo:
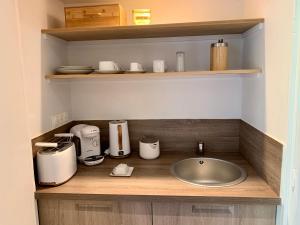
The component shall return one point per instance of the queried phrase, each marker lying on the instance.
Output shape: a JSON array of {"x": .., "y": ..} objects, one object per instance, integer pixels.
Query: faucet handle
[{"x": 200, "y": 150}]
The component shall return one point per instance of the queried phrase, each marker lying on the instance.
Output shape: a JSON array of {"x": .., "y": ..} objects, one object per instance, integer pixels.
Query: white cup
[
  {"x": 134, "y": 66},
  {"x": 108, "y": 66},
  {"x": 158, "y": 66}
]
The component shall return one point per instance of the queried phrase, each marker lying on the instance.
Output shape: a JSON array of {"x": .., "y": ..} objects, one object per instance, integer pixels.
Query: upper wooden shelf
[
  {"x": 188, "y": 74},
  {"x": 154, "y": 31}
]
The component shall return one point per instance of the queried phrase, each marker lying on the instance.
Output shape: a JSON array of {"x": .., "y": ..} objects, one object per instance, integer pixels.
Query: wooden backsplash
[
  {"x": 228, "y": 135},
  {"x": 174, "y": 135},
  {"x": 46, "y": 136},
  {"x": 180, "y": 135},
  {"x": 263, "y": 153}
]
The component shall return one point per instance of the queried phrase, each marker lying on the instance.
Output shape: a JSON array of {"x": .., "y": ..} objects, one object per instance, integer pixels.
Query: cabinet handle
[
  {"x": 81, "y": 207},
  {"x": 213, "y": 209}
]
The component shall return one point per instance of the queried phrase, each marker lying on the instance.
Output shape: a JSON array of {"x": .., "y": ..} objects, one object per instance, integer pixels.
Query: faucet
[{"x": 200, "y": 149}]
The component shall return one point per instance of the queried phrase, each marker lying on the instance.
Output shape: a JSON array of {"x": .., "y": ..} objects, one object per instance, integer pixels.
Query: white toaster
[{"x": 56, "y": 164}]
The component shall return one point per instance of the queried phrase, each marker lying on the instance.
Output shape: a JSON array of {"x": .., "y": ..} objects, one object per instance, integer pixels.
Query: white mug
[
  {"x": 108, "y": 66},
  {"x": 134, "y": 66},
  {"x": 158, "y": 66}
]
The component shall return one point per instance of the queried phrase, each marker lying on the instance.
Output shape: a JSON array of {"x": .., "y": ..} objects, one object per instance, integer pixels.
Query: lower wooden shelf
[{"x": 188, "y": 74}]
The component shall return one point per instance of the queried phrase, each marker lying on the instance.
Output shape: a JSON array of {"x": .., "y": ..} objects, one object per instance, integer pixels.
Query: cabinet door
[
  {"x": 96, "y": 213},
  {"x": 257, "y": 214},
  {"x": 79, "y": 212},
  {"x": 56, "y": 212},
  {"x": 114, "y": 213},
  {"x": 72, "y": 212},
  {"x": 194, "y": 214},
  {"x": 135, "y": 213}
]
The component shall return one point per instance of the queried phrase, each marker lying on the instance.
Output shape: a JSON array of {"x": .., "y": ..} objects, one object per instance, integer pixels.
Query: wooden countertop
[{"x": 151, "y": 179}]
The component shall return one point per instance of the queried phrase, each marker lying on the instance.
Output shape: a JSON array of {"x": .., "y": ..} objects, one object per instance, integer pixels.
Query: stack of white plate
[{"x": 74, "y": 69}]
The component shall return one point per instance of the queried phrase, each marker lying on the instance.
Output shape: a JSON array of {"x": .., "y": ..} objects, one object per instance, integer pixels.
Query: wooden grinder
[{"x": 219, "y": 55}]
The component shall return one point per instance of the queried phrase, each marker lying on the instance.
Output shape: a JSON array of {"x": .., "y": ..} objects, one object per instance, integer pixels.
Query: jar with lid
[
  {"x": 149, "y": 147},
  {"x": 219, "y": 55}
]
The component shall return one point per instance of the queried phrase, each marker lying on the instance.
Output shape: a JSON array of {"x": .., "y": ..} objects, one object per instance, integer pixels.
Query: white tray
[
  {"x": 70, "y": 71},
  {"x": 125, "y": 175}
]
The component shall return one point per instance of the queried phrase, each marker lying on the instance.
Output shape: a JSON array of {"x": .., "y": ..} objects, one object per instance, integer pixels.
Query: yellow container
[{"x": 141, "y": 16}]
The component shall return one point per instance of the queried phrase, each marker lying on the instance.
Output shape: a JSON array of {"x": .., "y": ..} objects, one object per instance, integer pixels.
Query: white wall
[
  {"x": 160, "y": 98},
  {"x": 27, "y": 101},
  {"x": 254, "y": 88},
  {"x": 171, "y": 99},
  {"x": 144, "y": 51},
  {"x": 43, "y": 99},
  {"x": 273, "y": 94},
  {"x": 157, "y": 99},
  {"x": 289, "y": 212},
  {"x": 175, "y": 99},
  {"x": 16, "y": 170},
  {"x": 270, "y": 96},
  {"x": 170, "y": 11}
]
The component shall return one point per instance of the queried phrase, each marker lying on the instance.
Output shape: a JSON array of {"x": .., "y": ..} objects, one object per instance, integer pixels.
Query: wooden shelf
[
  {"x": 189, "y": 74},
  {"x": 154, "y": 31}
]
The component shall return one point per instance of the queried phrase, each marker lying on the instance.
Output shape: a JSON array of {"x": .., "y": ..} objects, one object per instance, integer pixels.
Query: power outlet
[
  {"x": 294, "y": 182},
  {"x": 54, "y": 122},
  {"x": 65, "y": 117},
  {"x": 59, "y": 119}
]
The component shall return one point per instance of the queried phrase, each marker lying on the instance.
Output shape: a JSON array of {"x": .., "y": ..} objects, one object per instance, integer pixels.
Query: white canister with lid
[
  {"x": 219, "y": 55},
  {"x": 149, "y": 147}
]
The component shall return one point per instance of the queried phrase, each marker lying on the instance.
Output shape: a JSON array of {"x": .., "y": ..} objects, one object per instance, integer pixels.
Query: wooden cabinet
[
  {"x": 257, "y": 215},
  {"x": 74, "y": 212},
  {"x": 212, "y": 214},
  {"x": 194, "y": 214},
  {"x": 95, "y": 213},
  {"x": 81, "y": 212},
  {"x": 135, "y": 213}
]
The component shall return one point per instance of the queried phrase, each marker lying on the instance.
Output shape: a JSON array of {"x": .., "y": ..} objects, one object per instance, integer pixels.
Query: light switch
[
  {"x": 59, "y": 119},
  {"x": 294, "y": 180}
]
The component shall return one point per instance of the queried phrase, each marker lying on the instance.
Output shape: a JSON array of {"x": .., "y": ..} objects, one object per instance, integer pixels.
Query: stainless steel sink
[{"x": 208, "y": 172}]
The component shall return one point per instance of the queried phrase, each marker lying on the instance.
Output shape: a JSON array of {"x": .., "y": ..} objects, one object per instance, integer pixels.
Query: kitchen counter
[{"x": 152, "y": 179}]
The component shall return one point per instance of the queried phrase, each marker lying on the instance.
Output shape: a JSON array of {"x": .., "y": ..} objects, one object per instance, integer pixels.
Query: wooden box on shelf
[{"x": 91, "y": 16}]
